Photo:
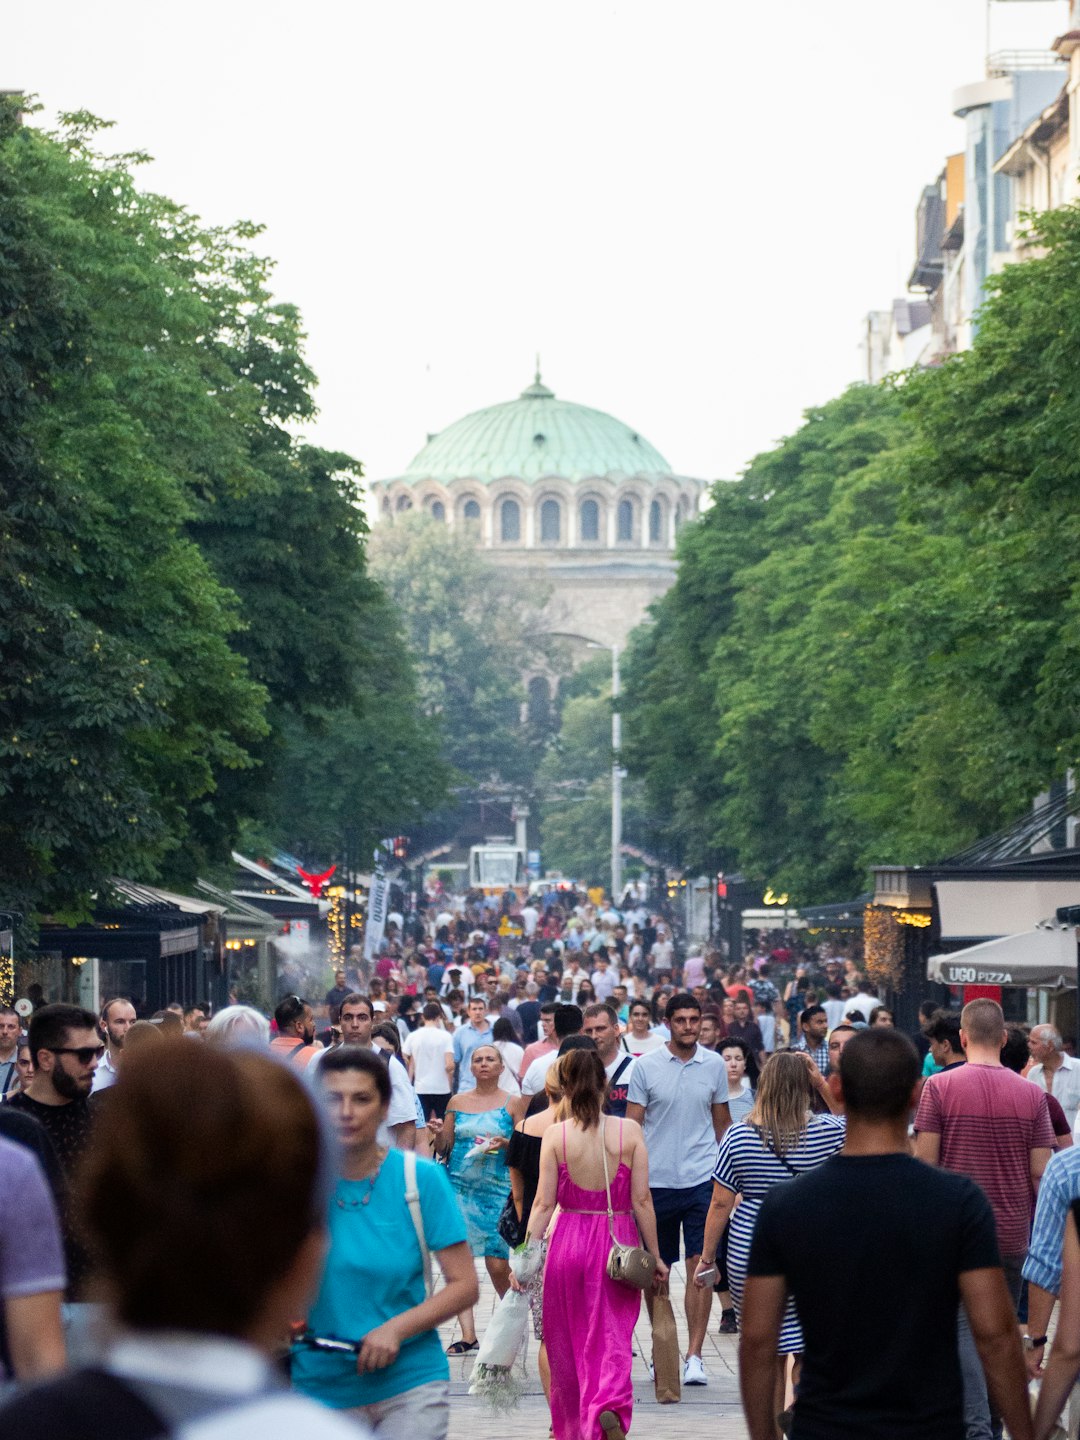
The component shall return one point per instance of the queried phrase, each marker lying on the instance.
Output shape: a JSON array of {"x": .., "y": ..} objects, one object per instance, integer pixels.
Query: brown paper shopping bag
[{"x": 665, "y": 1350}]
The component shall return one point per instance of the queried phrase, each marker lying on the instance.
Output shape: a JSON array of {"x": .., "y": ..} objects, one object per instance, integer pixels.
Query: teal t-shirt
[
  {"x": 930, "y": 1066},
  {"x": 373, "y": 1272}
]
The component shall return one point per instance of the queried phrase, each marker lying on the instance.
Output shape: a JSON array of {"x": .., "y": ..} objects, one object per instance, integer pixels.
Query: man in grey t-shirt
[{"x": 678, "y": 1094}]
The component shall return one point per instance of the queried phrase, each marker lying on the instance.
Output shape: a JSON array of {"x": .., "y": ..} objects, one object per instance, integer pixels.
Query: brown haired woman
[
  {"x": 207, "y": 1153},
  {"x": 588, "y": 1318},
  {"x": 780, "y": 1138}
]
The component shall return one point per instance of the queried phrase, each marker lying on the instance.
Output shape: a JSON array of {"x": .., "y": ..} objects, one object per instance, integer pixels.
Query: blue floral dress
[{"x": 482, "y": 1183}]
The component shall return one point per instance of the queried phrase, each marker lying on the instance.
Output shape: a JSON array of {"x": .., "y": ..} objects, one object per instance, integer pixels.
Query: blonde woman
[{"x": 779, "y": 1139}]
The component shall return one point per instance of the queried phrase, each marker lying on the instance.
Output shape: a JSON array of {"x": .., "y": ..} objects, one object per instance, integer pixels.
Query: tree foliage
[
  {"x": 476, "y": 631},
  {"x": 871, "y": 651},
  {"x": 172, "y": 557}
]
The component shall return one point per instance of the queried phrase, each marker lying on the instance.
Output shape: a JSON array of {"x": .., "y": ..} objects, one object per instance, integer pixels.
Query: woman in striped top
[{"x": 779, "y": 1139}]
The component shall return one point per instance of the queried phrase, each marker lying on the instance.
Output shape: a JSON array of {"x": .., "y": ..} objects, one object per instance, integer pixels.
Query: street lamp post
[
  {"x": 617, "y": 772},
  {"x": 616, "y": 780}
]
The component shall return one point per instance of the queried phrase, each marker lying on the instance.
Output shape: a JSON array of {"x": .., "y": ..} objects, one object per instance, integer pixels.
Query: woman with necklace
[
  {"x": 373, "y": 1285},
  {"x": 474, "y": 1136}
]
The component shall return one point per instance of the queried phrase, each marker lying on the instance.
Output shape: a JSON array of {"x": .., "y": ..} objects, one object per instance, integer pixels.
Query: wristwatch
[{"x": 1034, "y": 1342}]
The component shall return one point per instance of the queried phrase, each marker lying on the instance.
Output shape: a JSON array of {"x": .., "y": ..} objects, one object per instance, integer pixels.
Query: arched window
[
  {"x": 404, "y": 503},
  {"x": 590, "y": 520},
  {"x": 550, "y": 522},
  {"x": 539, "y": 710},
  {"x": 471, "y": 510},
  {"x": 510, "y": 522},
  {"x": 656, "y": 523},
  {"x": 624, "y": 521},
  {"x": 438, "y": 510}
]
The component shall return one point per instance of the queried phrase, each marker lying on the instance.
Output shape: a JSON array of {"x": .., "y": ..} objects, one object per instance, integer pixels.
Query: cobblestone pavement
[{"x": 711, "y": 1411}]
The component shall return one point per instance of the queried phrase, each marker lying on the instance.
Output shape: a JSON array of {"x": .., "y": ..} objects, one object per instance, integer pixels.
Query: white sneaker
[{"x": 694, "y": 1371}]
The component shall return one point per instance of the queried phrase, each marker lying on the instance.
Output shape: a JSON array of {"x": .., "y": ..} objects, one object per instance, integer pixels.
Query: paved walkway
[{"x": 709, "y": 1412}]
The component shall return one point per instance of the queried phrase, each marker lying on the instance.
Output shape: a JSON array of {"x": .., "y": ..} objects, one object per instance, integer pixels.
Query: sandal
[{"x": 462, "y": 1347}]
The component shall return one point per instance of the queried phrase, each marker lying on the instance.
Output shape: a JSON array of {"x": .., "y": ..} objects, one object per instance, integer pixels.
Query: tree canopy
[
  {"x": 870, "y": 652},
  {"x": 183, "y": 592}
]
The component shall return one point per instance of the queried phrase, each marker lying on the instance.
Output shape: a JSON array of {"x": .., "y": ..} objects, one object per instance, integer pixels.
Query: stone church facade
[{"x": 562, "y": 489}]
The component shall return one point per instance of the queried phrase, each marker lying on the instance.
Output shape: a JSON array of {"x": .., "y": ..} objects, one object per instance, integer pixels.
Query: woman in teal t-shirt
[{"x": 373, "y": 1285}]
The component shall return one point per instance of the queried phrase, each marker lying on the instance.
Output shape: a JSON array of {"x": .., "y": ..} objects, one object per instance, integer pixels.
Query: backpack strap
[{"x": 412, "y": 1199}]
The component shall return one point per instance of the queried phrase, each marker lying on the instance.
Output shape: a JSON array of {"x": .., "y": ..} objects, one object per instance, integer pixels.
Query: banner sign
[{"x": 376, "y": 915}]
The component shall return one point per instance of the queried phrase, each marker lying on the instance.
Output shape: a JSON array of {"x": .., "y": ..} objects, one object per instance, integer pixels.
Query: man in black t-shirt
[
  {"x": 65, "y": 1047},
  {"x": 880, "y": 1355}
]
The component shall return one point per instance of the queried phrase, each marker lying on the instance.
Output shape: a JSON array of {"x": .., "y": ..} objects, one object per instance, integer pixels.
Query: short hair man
[
  {"x": 476, "y": 1031},
  {"x": 942, "y": 1032},
  {"x": 117, "y": 1018},
  {"x": 884, "y": 1365},
  {"x": 566, "y": 1021},
  {"x": 295, "y": 1040},
  {"x": 601, "y": 1023},
  {"x": 814, "y": 1036},
  {"x": 9, "y": 1048},
  {"x": 678, "y": 1094},
  {"x": 65, "y": 1046},
  {"x": 545, "y": 1044},
  {"x": 1057, "y": 1073},
  {"x": 981, "y": 1120},
  {"x": 355, "y": 1020},
  {"x": 429, "y": 1053}
]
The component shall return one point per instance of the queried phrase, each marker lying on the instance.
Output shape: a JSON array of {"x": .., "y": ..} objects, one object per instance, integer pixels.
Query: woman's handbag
[
  {"x": 628, "y": 1265},
  {"x": 510, "y": 1227}
]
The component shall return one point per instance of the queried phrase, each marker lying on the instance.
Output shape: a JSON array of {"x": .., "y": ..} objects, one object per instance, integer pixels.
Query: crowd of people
[{"x": 227, "y": 1225}]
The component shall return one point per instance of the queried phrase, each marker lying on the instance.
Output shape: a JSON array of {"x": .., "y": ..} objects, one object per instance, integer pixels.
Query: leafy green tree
[
  {"x": 174, "y": 557},
  {"x": 122, "y": 695},
  {"x": 475, "y": 631}
]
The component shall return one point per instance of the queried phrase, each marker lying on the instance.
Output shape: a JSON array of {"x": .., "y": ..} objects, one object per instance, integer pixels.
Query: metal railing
[{"x": 1008, "y": 62}]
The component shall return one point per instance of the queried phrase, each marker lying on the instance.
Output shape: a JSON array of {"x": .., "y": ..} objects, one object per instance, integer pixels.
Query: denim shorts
[{"x": 685, "y": 1208}]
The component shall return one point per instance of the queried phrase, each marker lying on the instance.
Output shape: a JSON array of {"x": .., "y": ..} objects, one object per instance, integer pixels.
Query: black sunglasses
[{"x": 83, "y": 1053}]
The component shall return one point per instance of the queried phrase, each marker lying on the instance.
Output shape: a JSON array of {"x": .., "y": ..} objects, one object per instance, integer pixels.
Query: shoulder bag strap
[
  {"x": 607, "y": 1183},
  {"x": 412, "y": 1199}
]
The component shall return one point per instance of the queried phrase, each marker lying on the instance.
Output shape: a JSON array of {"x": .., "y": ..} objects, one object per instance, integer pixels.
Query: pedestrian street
[{"x": 710, "y": 1412}]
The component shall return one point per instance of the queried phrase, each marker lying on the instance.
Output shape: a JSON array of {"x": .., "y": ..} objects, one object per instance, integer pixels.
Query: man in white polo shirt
[{"x": 679, "y": 1093}]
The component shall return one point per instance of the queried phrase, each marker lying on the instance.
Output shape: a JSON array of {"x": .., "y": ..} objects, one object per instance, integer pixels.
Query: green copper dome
[{"x": 534, "y": 437}]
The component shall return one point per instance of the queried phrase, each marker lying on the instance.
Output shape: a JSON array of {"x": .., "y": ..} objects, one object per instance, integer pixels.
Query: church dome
[{"x": 535, "y": 437}]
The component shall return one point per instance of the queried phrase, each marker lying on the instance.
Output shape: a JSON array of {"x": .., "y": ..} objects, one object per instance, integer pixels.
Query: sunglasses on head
[{"x": 83, "y": 1053}]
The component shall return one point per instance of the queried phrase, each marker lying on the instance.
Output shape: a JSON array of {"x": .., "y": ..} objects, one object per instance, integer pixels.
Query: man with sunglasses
[{"x": 65, "y": 1047}]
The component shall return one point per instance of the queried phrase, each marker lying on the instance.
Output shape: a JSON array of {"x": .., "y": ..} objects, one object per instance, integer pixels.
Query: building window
[
  {"x": 438, "y": 510},
  {"x": 404, "y": 503},
  {"x": 510, "y": 522},
  {"x": 590, "y": 520},
  {"x": 550, "y": 522},
  {"x": 471, "y": 510},
  {"x": 656, "y": 523},
  {"x": 624, "y": 521}
]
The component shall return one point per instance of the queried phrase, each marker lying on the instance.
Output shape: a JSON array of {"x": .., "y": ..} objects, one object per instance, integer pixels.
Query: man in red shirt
[{"x": 979, "y": 1120}]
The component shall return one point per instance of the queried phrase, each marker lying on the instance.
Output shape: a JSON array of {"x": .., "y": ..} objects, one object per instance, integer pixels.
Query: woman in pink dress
[{"x": 588, "y": 1319}]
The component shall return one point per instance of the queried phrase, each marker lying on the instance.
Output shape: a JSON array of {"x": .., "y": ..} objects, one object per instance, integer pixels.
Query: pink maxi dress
[{"x": 588, "y": 1319}]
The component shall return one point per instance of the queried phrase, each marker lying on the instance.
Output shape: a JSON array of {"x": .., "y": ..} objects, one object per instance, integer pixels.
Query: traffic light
[
  {"x": 721, "y": 886},
  {"x": 401, "y": 847}
]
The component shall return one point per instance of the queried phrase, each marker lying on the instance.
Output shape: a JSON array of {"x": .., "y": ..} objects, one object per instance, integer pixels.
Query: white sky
[{"x": 686, "y": 206}]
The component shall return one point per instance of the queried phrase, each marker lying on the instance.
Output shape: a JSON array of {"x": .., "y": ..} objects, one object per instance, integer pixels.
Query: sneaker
[
  {"x": 611, "y": 1425},
  {"x": 728, "y": 1324},
  {"x": 694, "y": 1371}
]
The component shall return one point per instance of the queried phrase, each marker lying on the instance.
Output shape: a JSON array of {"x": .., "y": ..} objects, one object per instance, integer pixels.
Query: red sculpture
[{"x": 316, "y": 883}]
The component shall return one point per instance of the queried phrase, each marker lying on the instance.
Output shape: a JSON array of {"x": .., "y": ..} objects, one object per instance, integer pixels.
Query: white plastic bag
[{"x": 504, "y": 1344}]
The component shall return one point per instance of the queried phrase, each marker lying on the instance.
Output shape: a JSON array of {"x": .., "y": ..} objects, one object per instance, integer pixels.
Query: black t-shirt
[
  {"x": 67, "y": 1126},
  {"x": 880, "y": 1359}
]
